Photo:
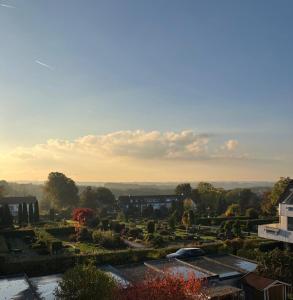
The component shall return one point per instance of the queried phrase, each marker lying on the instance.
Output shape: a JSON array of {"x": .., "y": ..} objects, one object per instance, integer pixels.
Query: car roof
[{"x": 190, "y": 249}]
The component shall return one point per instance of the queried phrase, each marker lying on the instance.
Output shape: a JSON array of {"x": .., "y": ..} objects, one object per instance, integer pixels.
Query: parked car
[{"x": 186, "y": 253}]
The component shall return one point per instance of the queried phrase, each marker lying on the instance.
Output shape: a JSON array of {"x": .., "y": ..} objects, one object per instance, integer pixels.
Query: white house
[{"x": 282, "y": 231}]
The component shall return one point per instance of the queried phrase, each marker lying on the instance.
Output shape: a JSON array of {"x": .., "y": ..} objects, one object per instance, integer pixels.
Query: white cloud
[
  {"x": 231, "y": 145},
  {"x": 7, "y": 5},
  {"x": 44, "y": 65},
  {"x": 137, "y": 144}
]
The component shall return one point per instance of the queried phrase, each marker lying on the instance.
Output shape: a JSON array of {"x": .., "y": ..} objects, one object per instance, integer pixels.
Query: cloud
[
  {"x": 231, "y": 145},
  {"x": 137, "y": 144},
  {"x": 44, "y": 65},
  {"x": 7, "y": 5}
]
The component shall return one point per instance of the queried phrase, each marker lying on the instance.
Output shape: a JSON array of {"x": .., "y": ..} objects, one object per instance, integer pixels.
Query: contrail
[
  {"x": 44, "y": 65},
  {"x": 7, "y": 5}
]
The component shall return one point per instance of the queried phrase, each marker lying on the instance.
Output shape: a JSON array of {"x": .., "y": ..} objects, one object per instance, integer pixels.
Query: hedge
[
  {"x": 218, "y": 220},
  {"x": 3, "y": 245},
  {"x": 61, "y": 231},
  {"x": 53, "y": 244},
  {"x": 43, "y": 265}
]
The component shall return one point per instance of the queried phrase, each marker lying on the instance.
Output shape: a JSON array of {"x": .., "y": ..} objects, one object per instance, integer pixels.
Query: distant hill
[{"x": 133, "y": 188}]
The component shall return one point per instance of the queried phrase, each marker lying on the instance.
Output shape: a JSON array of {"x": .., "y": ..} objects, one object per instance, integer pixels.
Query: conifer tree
[
  {"x": 31, "y": 213},
  {"x": 8, "y": 220},
  {"x": 19, "y": 214},
  {"x": 36, "y": 212},
  {"x": 24, "y": 213}
]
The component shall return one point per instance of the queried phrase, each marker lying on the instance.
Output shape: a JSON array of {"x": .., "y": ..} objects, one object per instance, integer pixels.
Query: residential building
[
  {"x": 282, "y": 231},
  {"x": 141, "y": 202},
  {"x": 13, "y": 202}
]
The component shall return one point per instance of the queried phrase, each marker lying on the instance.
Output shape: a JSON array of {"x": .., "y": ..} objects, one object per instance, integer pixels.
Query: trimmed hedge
[
  {"x": 53, "y": 244},
  {"x": 3, "y": 245},
  {"x": 218, "y": 220},
  {"x": 38, "y": 265},
  {"x": 61, "y": 231},
  {"x": 243, "y": 219}
]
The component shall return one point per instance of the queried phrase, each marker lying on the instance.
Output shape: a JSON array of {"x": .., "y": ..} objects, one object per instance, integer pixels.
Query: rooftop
[
  {"x": 17, "y": 200},
  {"x": 258, "y": 282}
]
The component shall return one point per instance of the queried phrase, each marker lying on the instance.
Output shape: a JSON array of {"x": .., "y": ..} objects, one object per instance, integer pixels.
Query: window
[{"x": 290, "y": 223}]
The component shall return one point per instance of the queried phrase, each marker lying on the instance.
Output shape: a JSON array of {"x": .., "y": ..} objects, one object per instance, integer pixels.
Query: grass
[{"x": 88, "y": 248}]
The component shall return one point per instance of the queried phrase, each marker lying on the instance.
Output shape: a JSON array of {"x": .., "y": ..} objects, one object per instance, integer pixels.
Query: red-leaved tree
[
  {"x": 82, "y": 215},
  {"x": 164, "y": 288}
]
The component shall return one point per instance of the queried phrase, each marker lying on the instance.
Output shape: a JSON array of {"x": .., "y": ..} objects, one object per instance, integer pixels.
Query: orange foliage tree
[
  {"x": 164, "y": 288},
  {"x": 82, "y": 215}
]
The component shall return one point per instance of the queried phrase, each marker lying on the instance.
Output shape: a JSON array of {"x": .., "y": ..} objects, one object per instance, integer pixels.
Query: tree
[
  {"x": 188, "y": 204},
  {"x": 88, "y": 198},
  {"x": 183, "y": 189},
  {"x": 7, "y": 217},
  {"x": 19, "y": 213},
  {"x": 233, "y": 210},
  {"x": 151, "y": 226},
  {"x": 36, "y": 212},
  {"x": 164, "y": 288},
  {"x": 31, "y": 213},
  {"x": 105, "y": 198},
  {"x": 276, "y": 264},
  {"x": 172, "y": 221},
  {"x": 83, "y": 215},
  {"x": 191, "y": 217},
  {"x": 236, "y": 228},
  {"x": 185, "y": 220},
  {"x": 3, "y": 188},
  {"x": 24, "y": 213},
  {"x": 85, "y": 282},
  {"x": 61, "y": 191},
  {"x": 251, "y": 213},
  {"x": 248, "y": 199},
  {"x": 279, "y": 192}
]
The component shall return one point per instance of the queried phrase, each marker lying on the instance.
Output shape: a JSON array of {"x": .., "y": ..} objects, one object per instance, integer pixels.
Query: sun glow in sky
[{"x": 146, "y": 90}]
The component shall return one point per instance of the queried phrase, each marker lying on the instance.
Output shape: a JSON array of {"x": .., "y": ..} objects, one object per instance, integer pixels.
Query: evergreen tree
[
  {"x": 191, "y": 217},
  {"x": 24, "y": 213},
  {"x": 1, "y": 216},
  {"x": 8, "y": 220},
  {"x": 19, "y": 214},
  {"x": 36, "y": 212},
  {"x": 31, "y": 213}
]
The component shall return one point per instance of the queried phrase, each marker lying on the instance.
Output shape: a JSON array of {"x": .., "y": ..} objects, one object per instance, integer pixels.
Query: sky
[{"x": 149, "y": 90}]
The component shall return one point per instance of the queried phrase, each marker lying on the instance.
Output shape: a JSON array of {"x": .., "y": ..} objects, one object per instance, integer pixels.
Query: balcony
[{"x": 275, "y": 232}]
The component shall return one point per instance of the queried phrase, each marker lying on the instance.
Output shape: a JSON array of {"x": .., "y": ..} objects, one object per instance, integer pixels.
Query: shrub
[
  {"x": 108, "y": 240},
  {"x": 85, "y": 282},
  {"x": 164, "y": 232},
  {"x": 135, "y": 232},
  {"x": 105, "y": 224},
  {"x": 117, "y": 227},
  {"x": 251, "y": 213},
  {"x": 158, "y": 241},
  {"x": 151, "y": 226},
  {"x": 83, "y": 235}
]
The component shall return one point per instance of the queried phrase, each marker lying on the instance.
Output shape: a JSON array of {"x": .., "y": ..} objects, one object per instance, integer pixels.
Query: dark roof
[
  {"x": 289, "y": 199},
  {"x": 221, "y": 291},
  {"x": 258, "y": 282},
  {"x": 147, "y": 197},
  {"x": 17, "y": 200},
  {"x": 287, "y": 193}
]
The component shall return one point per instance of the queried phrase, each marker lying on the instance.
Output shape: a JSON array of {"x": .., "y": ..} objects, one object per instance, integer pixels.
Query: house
[
  {"x": 261, "y": 288},
  {"x": 142, "y": 202},
  {"x": 13, "y": 202},
  {"x": 282, "y": 231}
]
